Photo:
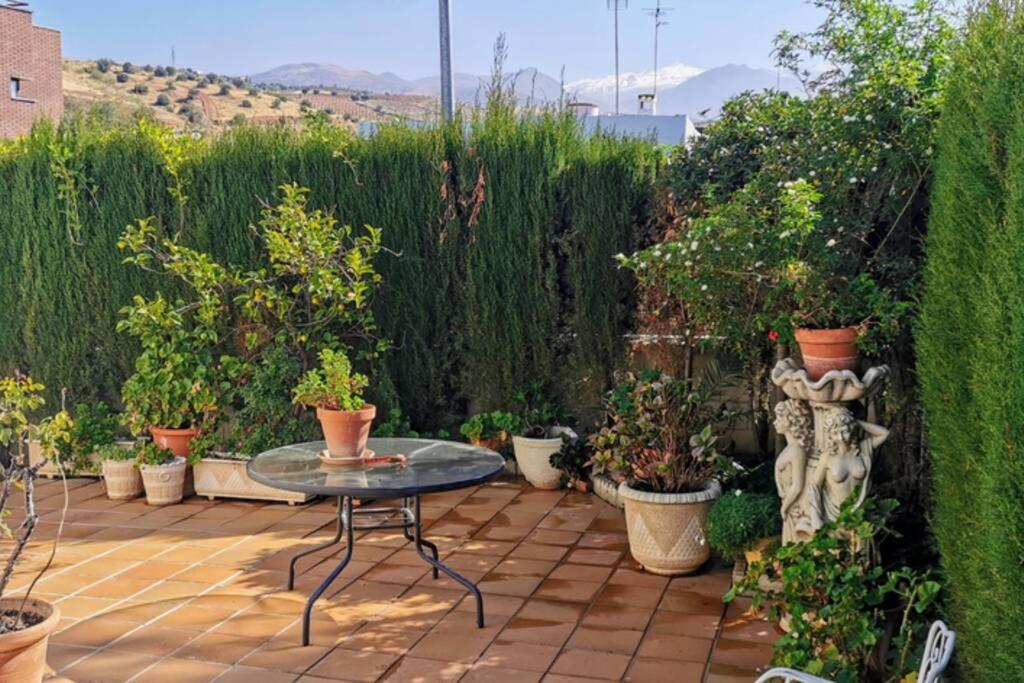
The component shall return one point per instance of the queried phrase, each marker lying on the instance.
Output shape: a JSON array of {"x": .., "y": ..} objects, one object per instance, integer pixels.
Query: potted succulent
[
  {"x": 671, "y": 469},
  {"x": 542, "y": 428},
  {"x": 120, "y": 473},
  {"x": 491, "y": 430},
  {"x": 26, "y": 623},
  {"x": 744, "y": 525},
  {"x": 336, "y": 393},
  {"x": 163, "y": 473}
]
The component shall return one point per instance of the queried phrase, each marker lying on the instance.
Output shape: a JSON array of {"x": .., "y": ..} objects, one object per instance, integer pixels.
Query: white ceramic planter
[
  {"x": 666, "y": 530},
  {"x": 123, "y": 479},
  {"x": 227, "y": 478},
  {"x": 607, "y": 489},
  {"x": 164, "y": 484},
  {"x": 534, "y": 458}
]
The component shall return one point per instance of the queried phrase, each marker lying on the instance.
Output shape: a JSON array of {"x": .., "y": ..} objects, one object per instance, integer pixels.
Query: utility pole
[
  {"x": 172, "y": 57},
  {"x": 614, "y": 6},
  {"x": 447, "y": 105},
  {"x": 657, "y": 12}
]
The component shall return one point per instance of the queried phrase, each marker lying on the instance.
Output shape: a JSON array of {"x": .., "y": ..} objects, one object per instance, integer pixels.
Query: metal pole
[
  {"x": 616, "y": 57},
  {"x": 447, "y": 104}
]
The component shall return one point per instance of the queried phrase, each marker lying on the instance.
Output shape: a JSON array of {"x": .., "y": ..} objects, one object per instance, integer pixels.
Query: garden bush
[{"x": 970, "y": 339}]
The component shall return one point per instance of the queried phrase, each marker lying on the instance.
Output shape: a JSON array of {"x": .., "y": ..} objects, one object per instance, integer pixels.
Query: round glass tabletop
[{"x": 429, "y": 466}]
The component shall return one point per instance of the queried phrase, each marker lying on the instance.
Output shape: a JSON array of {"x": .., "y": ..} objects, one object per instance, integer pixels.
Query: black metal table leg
[
  {"x": 436, "y": 564},
  {"x": 345, "y": 520},
  {"x": 298, "y": 556},
  {"x": 409, "y": 537}
]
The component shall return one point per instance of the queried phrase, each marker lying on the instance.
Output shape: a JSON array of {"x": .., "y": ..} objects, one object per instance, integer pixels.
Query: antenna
[
  {"x": 15, "y": 4},
  {"x": 658, "y": 12},
  {"x": 614, "y": 6},
  {"x": 172, "y": 57}
]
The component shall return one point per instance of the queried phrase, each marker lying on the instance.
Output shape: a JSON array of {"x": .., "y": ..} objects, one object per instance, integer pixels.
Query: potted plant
[
  {"x": 336, "y": 393},
  {"x": 220, "y": 471},
  {"x": 572, "y": 460},
  {"x": 542, "y": 427},
  {"x": 120, "y": 473},
  {"x": 491, "y": 430},
  {"x": 665, "y": 452},
  {"x": 93, "y": 426},
  {"x": 743, "y": 524},
  {"x": 26, "y": 623},
  {"x": 163, "y": 473}
]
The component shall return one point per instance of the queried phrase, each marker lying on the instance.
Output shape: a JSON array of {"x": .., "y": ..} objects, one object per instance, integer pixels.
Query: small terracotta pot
[
  {"x": 164, "y": 484},
  {"x": 825, "y": 350},
  {"x": 23, "y": 653},
  {"x": 346, "y": 431},
  {"x": 123, "y": 479},
  {"x": 493, "y": 444},
  {"x": 581, "y": 485},
  {"x": 177, "y": 441}
]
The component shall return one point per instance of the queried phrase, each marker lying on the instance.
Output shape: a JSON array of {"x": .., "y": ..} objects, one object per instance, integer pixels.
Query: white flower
[
  {"x": 693, "y": 245},
  {"x": 853, "y": 180},
  {"x": 737, "y": 492},
  {"x": 830, "y": 243},
  {"x": 703, "y": 288}
]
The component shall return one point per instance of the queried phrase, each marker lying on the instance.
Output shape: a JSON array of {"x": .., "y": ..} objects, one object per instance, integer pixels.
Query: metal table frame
[{"x": 347, "y": 526}]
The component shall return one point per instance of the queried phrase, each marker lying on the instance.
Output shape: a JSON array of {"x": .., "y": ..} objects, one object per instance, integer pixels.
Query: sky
[{"x": 239, "y": 37}]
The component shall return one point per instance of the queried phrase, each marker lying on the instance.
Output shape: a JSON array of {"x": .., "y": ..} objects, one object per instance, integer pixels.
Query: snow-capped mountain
[{"x": 632, "y": 82}]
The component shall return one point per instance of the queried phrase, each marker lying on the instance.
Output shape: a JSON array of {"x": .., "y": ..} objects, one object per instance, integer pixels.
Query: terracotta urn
[
  {"x": 666, "y": 530},
  {"x": 23, "y": 653},
  {"x": 177, "y": 441},
  {"x": 346, "y": 431},
  {"x": 825, "y": 350}
]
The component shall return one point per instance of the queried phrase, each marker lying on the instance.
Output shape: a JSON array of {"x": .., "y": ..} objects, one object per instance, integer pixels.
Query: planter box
[
  {"x": 227, "y": 478},
  {"x": 51, "y": 470},
  {"x": 606, "y": 489}
]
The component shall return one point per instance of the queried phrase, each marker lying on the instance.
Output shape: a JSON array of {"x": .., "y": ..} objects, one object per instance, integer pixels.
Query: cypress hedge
[
  {"x": 501, "y": 231},
  {"x": 970, "y": 343}
]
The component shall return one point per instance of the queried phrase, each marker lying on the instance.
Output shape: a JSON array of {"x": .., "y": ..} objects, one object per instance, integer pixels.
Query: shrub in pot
[
  {"x": 120, "y": 473},
  {"x": 93, "y": 426},
  {"x": 572, "y": 459},
  {"x": 660, "y": 440},
  {"x": 26, "y": 623},
  {"x": 336, "y": 393},
  {"x": 743, "y": 524},
  {"x": 543, "y": 425},
  {"x": 491, "y": 430},
  {"x": 163, "y": 473}
]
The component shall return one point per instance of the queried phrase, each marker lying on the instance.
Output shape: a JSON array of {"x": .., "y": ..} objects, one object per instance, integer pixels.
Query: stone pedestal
[{"x": 829, "y": 452}]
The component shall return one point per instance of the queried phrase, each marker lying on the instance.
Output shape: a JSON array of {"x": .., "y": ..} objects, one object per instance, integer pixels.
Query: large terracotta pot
[
  {"x": 666, "y": 530},
  {"x": 177, "y": 441},
  {"x": 534, "y": 458},
  {"x": 123, "y": 479},
  {"x": 825, "y": 350},
  {"x": 23, "y": 653},
  {"x": 164, "y": 484},
  {"x": 346, "y": 431}
]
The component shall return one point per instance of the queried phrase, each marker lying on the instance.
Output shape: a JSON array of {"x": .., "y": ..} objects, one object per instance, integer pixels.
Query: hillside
[{"x": 183, "y": 97}]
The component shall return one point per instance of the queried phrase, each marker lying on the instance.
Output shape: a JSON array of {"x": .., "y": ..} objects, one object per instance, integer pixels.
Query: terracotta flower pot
[
  {"x": 493, "y": 444},
  {"x": 346, "y": 431},
  {"x": 666, "y": 530},
  {"x": 123, "y": 479},
  {"x": 23, "y": 653},
  {"x": 177, "y": 441},
  {"x": 534, "y": 458},
  {"x": 825, "y": 350},
  {"x": 164, "y": 484}
]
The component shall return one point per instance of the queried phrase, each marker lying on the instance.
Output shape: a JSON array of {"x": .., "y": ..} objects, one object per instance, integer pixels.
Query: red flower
[{"x": 773, "y": 336}]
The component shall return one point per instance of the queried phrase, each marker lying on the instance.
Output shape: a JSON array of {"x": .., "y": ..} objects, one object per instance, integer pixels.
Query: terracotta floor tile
[
  {"x": 283, "y": 656},
  {"x": 414, "y": 670},
  {"x": 404, "y": 574},
  {"x": 220, "y": 648},
  {"x": 254, "y": 625},
  {"x": 678, "y": 623},
  {"x": 605, "y": 558},
  {"x": 668, "y": 646},
  {"x": 581, "y": 572},
  {"x": 154, "y": 569},
  {"x": 450, "y": 647},
  {"x": 644, "y": 670},
  {"x": 539, "y": 631},
  {"x": 245, "y": 674},
  {"x": 567, "y": 589},
  {"x": 618, "y": 594},
  {"x": 116, "y": 587},
  {"x": 502, "y": 533},
  {"x": 109, "y": 666},
  {"x": 95, "y": 632},
  {"x": 742, "y": 654},
  {"x": 509, "y": 584},
  {"x": 726, "y": 673},
  {"x": 554, "y": 537},
  {"x": 538, "y": 551},
  {"x": 153, "y": 640},
  {"x": 59, "y": 655},
  {"x": 205, "y": 574},
  {"x": 526, "y": 656},
  {"x": 77, "y": 607},
  {"x": 166, "y": 590},
  {"x": 713, "y": 585},
  {"x": 622, "y": 641},
  {"x": 599, "y": 540},
  {"x": 488, "y": 674},
  {"x": 181, "y": 671},
  {"x": 641, "y": 579},
  {"x": 610, "y": 615},
  {"x": 352, "y": 665},
  {"x": 691, "y": 603},
  {"x": 750, "y": 628},
  {"x": 487, "y": 547},
  {"x": 383, "y": 637},
  {"x": 525, "y": 567},
  {"x": 603, "y": 665}
]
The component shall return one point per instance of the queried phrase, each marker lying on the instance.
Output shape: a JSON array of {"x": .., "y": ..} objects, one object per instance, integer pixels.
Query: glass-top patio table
[{"x": 429, "y": 467}]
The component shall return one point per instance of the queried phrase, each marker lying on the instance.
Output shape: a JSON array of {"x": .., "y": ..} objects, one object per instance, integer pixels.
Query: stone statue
[{"x": 829, "y": 453}]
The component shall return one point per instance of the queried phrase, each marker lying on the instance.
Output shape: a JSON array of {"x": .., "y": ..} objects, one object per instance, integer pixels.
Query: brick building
[{"x": 30, "y": 71}]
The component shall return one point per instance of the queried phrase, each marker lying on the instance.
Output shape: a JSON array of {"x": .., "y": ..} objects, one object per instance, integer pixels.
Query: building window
[{"x": 15, "y": 88}]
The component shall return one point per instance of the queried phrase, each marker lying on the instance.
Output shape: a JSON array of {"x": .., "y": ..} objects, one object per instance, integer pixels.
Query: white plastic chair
[{"x": 938, "y": 651}]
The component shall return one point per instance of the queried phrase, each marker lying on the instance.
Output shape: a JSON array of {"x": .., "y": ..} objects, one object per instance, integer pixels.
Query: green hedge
[
  {"x": 971, "y": 344},
  {"x": 502, "y": 229}
]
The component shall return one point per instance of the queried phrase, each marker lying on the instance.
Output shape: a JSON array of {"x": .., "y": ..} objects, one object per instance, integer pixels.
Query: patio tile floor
[{"x": 194, "y": 592}]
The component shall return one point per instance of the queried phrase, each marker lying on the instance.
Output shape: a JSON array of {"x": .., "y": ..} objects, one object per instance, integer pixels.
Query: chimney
[{"x": 648, "y": 103}]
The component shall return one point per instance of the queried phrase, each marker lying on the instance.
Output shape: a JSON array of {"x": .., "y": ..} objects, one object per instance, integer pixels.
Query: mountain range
[{"x": 682, "y": 88}]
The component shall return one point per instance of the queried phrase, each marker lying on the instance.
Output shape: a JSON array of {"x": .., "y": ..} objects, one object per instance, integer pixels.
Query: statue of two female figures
[{"x": 815, "y": 479}]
